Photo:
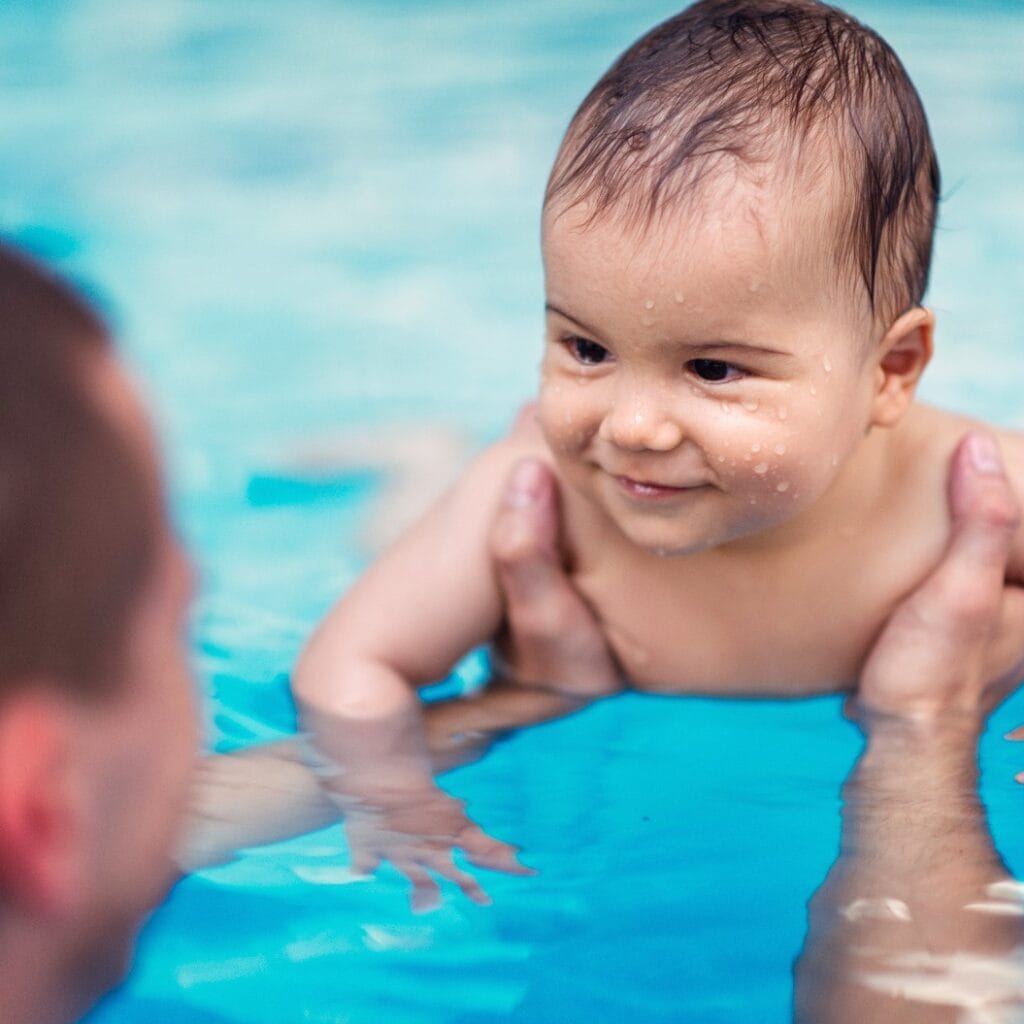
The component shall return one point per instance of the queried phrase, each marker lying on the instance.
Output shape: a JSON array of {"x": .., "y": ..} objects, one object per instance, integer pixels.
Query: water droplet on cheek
[
  {"x": 750, "y": 405},
  {"x": 827, "y": 363},
  {"x": 780, "y": 449},
  {"x": 761, "y": 468},
  {"x": 721, "y": 458},
  {"x": 782, "y": 486},
  {"x": 755, "y": 447},
  {"x": 754, "y": 285},
  {"x": 835, "y": 460},
  {"x": 814, "y": 390},
  {"x": 649, "y": 304},
  {"x": 679, "y": 298}
]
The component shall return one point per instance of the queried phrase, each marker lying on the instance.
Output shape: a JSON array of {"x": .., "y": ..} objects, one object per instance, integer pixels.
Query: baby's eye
[
  {"x": 587, "y": 352},
  {"x": 714, "y": 370}
]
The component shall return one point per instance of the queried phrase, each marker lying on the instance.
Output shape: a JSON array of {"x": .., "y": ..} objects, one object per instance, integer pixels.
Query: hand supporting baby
[{"x": 955, "y": 643}]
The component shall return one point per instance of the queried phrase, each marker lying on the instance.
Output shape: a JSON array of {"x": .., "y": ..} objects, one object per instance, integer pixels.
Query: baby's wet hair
[{"x": 741, "y": 86}]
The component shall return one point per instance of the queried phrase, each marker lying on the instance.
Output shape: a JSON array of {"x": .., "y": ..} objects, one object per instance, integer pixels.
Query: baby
[{"x": 736, "y": 236}]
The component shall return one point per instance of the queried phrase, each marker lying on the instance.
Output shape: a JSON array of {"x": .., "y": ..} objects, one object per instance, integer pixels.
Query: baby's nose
[{"x": 640, "y": 422}]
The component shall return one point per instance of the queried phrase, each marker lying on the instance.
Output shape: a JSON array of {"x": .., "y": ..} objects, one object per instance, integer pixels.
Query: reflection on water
[{"x": 918, "y": 920}]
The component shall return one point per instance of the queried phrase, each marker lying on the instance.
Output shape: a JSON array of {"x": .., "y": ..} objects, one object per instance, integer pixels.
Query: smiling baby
[{"x": 736, "y": 236}]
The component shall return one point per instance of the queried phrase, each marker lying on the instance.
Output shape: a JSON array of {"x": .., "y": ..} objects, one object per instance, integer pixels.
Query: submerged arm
[
  {"x": 558, "y": 662},
  {"x": 918, "y": 920}
]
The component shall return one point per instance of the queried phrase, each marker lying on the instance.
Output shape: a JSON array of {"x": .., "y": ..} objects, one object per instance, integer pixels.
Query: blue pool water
[{"x": 312, "y": 218}]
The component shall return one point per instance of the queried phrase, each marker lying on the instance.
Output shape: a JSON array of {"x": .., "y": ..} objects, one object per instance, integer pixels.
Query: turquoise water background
[{"x": 311, "y": 217}]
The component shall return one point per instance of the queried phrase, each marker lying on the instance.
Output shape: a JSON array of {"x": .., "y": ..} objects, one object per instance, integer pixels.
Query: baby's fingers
[
  {"x": 426, "y": 893},
  {"x": 364, "y": 862},
  {"x": 487, "y": 852}
]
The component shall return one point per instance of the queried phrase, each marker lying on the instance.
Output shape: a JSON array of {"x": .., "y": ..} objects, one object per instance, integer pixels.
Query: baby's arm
[{"x": 427, "y": 601}]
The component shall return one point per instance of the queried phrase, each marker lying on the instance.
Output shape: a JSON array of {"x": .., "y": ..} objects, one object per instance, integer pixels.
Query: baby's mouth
[{"x": 649, "y": 489}]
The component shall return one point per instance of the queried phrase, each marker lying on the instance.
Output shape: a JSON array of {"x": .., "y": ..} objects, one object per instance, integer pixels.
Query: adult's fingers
[
  {"x": 966, "y": 589},
  {"x": 936, "y": 650},
  {"x": 554, "y": 637}
]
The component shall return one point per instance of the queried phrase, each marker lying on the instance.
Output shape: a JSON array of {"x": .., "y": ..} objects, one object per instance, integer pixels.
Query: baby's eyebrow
[
  {"x": 550, "y": 308},
  {"x": 742, "y": 346}
]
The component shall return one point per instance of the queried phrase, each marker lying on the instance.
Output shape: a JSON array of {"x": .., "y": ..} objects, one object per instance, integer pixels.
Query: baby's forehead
[
  {"x": 780, "y": 215},
  {"x": 751, "y": 245}
]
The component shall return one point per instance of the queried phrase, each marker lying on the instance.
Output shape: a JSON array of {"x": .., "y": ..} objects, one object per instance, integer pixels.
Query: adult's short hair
[{"x": 77, "y": 505}]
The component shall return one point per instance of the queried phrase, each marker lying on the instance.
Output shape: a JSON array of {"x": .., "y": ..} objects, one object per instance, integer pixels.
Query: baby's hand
[{"x": 416, "y": 826}]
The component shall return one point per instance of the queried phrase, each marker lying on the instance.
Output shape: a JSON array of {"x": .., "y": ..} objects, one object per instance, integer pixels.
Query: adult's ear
[
  {"x": 903, "y": 354},
  {"x": 41, "y": 841}
]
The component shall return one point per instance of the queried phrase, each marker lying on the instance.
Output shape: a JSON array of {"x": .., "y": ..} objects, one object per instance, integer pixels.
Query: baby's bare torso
[{"x": 787, "y": 623}]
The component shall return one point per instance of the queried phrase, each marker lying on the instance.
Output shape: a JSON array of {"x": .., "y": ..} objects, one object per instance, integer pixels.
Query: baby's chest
[{"x": 691, "y": 633}]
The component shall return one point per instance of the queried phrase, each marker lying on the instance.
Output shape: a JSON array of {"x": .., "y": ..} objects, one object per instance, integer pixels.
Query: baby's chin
[{"x": 746, "y": 534}]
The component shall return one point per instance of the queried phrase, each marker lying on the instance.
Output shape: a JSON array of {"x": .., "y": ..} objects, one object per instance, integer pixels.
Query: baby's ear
[{"x": 903, "y": 354}]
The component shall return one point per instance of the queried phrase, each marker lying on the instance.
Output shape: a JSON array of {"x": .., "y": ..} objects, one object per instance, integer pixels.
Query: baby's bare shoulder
[{"x": 939, "y": 432}]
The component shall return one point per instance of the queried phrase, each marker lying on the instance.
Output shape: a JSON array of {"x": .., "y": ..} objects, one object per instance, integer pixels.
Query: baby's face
[{"x": 706, "y": 380}]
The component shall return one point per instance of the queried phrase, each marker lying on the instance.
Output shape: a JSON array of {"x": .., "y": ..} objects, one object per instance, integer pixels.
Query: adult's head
[{"x": 97, "y": 726}]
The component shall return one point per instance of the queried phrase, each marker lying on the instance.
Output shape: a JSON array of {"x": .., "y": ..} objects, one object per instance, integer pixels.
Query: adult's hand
[
  {"x": 957, "y": 642},
  {"x": 553, "y": 658},
  {"x": 553, "y": 639}
]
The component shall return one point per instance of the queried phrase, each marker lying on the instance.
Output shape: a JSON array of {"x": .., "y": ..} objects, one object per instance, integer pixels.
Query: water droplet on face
[
  {"x": 750, "y": 405},
  {"x": 780, "y": 449},
  {"x": 649, "y": 304},
  {"x": 761, "y": 468},
  {"x": 747, "y": 458},
  {"x": 827, "y": 363},
  {"x": 721, "y": 458},
  {"x": 755, "y": 447},
  {"x": 814, "y": 390},
  {"x": 835, "y": 460},
  {"x": 783, "y": 485},
  {"x": 726, "y": 408},
  {"x": 679, "y": 298},
  {"x": 753, "y": 501},
  {"x": 783, "y": 412}
]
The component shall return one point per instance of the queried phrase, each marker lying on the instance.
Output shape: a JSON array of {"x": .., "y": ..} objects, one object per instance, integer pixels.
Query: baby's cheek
[{"x": 567, "y": 419}]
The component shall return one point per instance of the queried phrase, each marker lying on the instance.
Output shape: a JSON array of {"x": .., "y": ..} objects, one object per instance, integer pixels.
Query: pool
[{"x": 316, "y": 220}]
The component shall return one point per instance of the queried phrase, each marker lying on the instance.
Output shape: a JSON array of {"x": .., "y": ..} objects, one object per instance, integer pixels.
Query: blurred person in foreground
[{"x": 97, "y": 724}]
